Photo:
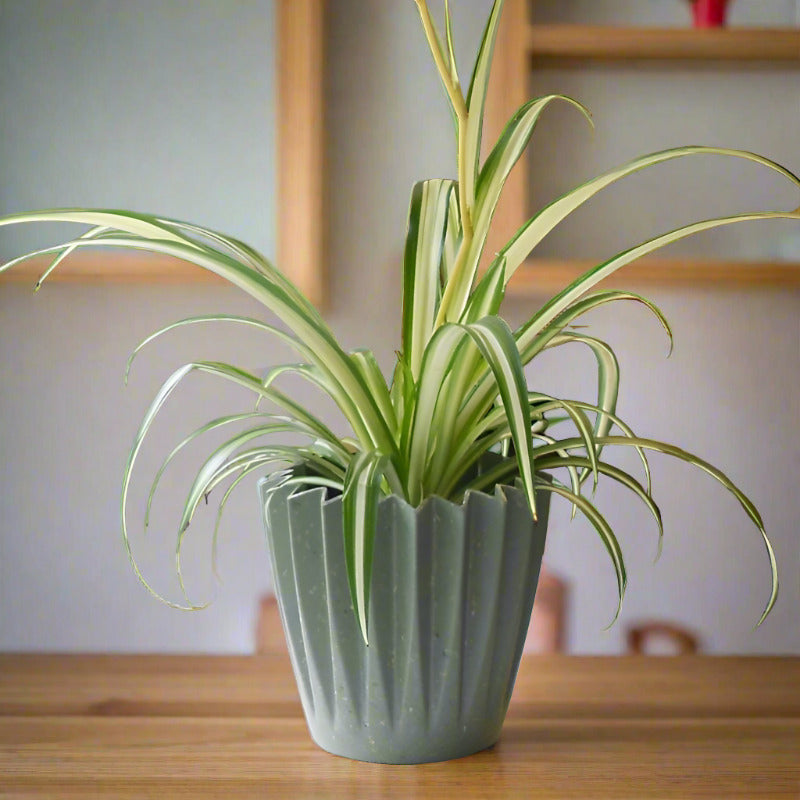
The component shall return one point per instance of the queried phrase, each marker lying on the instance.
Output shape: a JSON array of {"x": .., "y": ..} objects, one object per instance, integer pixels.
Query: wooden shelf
[
  {"x": 301, "y": 144},
  {"x": 549, "y": 275},
  {"x": 522, "y": 46},
  {"x": 776, "y": 46}
]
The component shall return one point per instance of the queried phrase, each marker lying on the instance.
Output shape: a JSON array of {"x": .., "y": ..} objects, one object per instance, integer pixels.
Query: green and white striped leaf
[
  {"x": 205, "y": 318},
  {"x": 141, "y": 225},
  {"x": 575, "y": 481},
  {"x": 224, "y": 371},
  {"x": 362, "y": 493},
  {"x": 403, "y": 395},
  {"x": 451, "y": 52},
  {"x": 453, "y": 237},
  {"x": 418, "y": 431},
  {"x": 266, "y": 455},
  {"x": 607, "y": 383},
  {"x": 476, "y": 101},
  {"x": 372, "y": 376},
  {"x": 531, "y": 340},
  {"x": 250, "y": 257},
  {"x": 242, "y": 463},
  {"x": 427, "y": 223},
  {"x": 579, "y": 287},
  {"x": 496, "y": 342},
  {"x": 224, "y": 455},
  {"x": 496, "y": 426},
  {"x": 213, "y": 425},
  {"x": 535, "y": 229},
  {"x": 683, "y": 455},
  {"x": 505, "y": 154},
  {"x": 626, "y": 430},
  {"x": 92, "y": 233},
  {"x": 603, "y": 529},
  {"x": 345, "y": 385},
  {"x": 488, "y": 296},
  {"x": 466, "y": 362},
  {"x": 490, "y": 184},
  {"x": 617, "y": 474},
  {"x": 225, "y": 451}
]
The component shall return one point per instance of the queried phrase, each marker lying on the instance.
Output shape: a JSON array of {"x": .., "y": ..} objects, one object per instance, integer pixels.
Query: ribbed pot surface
[{"x": 451, "y": 597}]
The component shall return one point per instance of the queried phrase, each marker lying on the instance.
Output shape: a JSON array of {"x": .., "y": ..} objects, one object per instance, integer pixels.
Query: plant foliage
[{"x": 458, "y": 389}]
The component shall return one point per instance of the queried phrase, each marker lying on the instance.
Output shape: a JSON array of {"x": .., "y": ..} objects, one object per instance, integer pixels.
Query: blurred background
[{"x": 168, "y": 106}]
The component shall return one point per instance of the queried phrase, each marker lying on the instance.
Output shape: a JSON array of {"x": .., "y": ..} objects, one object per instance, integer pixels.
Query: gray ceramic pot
[{"x": 451, "y": 597}]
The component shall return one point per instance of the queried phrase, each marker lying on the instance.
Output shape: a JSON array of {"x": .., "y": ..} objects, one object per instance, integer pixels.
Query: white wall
[
  {"x": 160, "y": 106},
  {"x": 729, "y": 392}
]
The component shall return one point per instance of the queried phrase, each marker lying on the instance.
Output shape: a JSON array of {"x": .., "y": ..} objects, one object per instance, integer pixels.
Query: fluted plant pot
[{"x": 452, "y": 590}]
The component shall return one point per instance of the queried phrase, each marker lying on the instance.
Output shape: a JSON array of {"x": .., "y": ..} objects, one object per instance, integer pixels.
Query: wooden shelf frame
[
  {"x": 300, "y": 176},
  {"x": 522, "y": 46},
  {"x": 778, "y": 47},
  {"x": 550, "y": 275}
]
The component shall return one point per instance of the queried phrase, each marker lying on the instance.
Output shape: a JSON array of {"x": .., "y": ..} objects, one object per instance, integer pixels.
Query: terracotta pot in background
[{"x": 709, "y": 13}]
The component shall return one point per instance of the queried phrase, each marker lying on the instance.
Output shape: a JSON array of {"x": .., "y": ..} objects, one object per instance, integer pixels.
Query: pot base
[{"x": 363, "y": 748}]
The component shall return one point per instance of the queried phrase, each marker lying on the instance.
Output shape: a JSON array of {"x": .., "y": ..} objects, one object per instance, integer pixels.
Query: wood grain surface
[
  {"x": 202, "y": 726},
  {"x": 545, "y": 275},
  {"x": 777, "y": 47}
]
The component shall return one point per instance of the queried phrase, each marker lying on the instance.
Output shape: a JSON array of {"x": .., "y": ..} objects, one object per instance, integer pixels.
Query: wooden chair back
[{"x": 643, "y": 637}]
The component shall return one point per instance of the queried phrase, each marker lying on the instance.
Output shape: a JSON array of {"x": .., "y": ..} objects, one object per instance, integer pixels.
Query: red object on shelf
[{"x": 709, "y": 13}]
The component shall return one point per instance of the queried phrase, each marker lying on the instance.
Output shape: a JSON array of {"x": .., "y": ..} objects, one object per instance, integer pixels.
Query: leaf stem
[
  {"x": 459, "y": 104},
  {"x": 451, "y": 86}
]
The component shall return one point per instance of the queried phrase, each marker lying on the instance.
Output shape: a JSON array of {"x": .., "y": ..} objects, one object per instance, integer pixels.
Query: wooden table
[{"x": 173, "y": 726}]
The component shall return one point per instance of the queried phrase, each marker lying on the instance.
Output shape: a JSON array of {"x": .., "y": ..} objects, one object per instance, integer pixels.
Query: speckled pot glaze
[{"x": 451, "y": 597}]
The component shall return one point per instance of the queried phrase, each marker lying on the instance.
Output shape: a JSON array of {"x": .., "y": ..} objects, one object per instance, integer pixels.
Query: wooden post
[
  {"x": 301, "y": 144},
  {"x": 508, "y": 90}
]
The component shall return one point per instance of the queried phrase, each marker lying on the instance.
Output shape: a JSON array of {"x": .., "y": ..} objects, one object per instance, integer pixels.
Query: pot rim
[{"x": 269, "y": 485}]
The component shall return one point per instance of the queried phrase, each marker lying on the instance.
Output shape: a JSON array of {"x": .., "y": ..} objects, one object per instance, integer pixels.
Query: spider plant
[{"x": 458, "y": 390}]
